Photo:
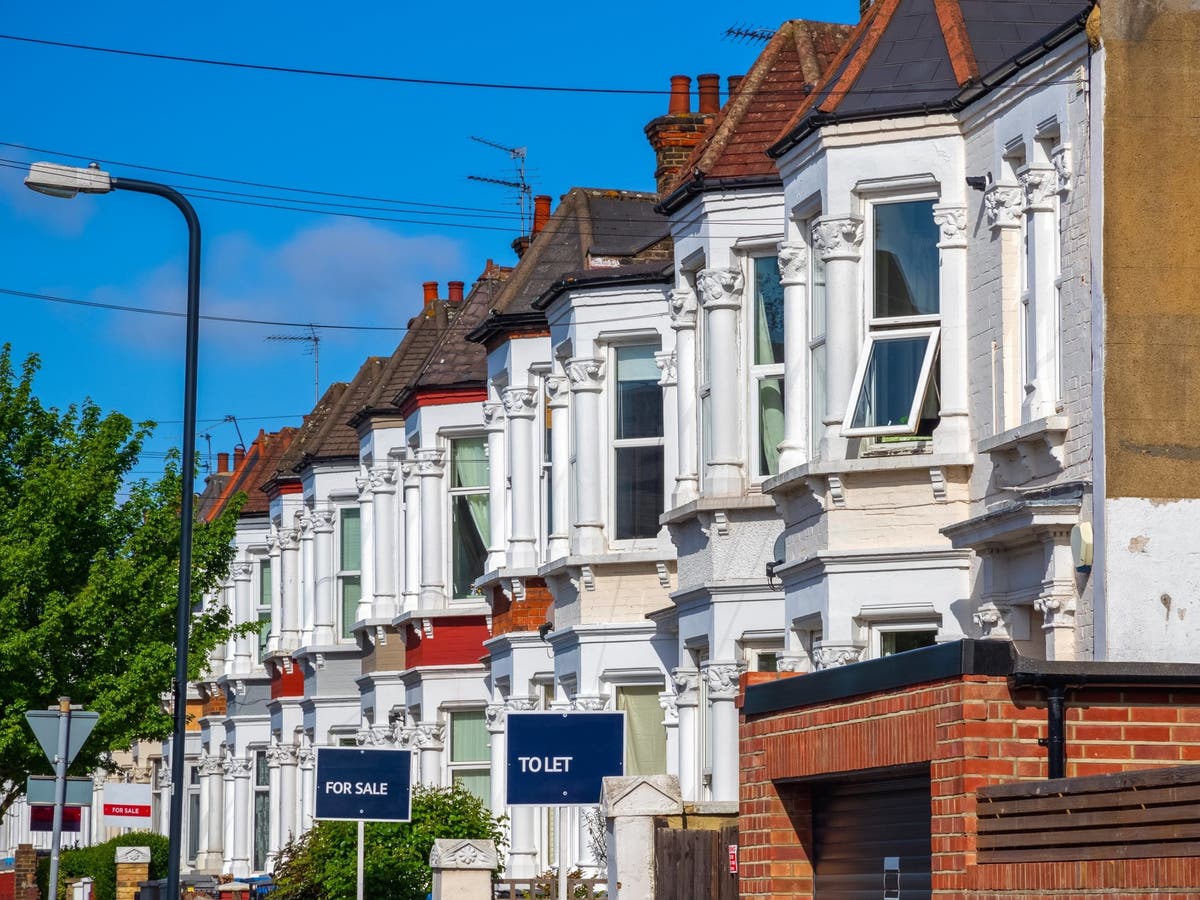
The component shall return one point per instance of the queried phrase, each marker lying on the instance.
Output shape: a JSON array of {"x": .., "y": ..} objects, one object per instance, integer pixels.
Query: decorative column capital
[
  {"x": 586, "y": 373},
  {"x": 992, "y": 621},
  {"x": 788, "y": 663},
  {"x": 793, "y": 263},
  {"x": 669, "y": 703},
  {"x": 665, "y": 360},
  {"x": 589, "y": 702},
  {"x": 830, "y": 656},
  {"x": 382, "y": 479},
  {"x": 686, "y": 682},
  {"x": 305, "y": 757},
  {"x": 1060, "y": 158},
  {"x": 721, "y": 679},
  {"x": 1057, "y": 611},
  {"x": 323, "y": 520},
  {"x": 237, "y": 766},
  {"x": 682, "y": 307},
  {"x": 280, "y": 755},
  {"x": 304, "y": 523},
  {"x": 430, "y": 735},
  {"x": 557, "y": 391},
  {"x": 431, "y": 462},
  {"x": 375, "y": 736},
  {"x": 493, "y": 416},
  {"x": 1003, "y": 204},
  {"x": 241, "y": 571},
  {"x": 519, "y": 402},
  {"x": 838, "y": 237},
  {"x": 521, "y": 704},
  {"x": 289, "y": 538},
  {"x": 951, "y": 221},
  {"x": 721, "y": 288},
  {"x": 212, "y": 765},
  {"x": 1040, "y": 185},
  {"x": 495, "y": 718},
  {"x": 456, "y": 853}
]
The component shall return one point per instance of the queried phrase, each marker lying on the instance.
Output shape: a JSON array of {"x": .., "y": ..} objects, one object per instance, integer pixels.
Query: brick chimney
[
  {"x": 222, "y": 463},
  {"x": 710, "y": 94},
  {"x": 734, "y": 82},
  {"x": 541, "y": 212},
  {"x": 680, "y": 131},
  {"x": 430, "y": 289}
]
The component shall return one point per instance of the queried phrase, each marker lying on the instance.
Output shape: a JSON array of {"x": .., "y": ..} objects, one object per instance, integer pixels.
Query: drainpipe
[{"x": 1055, "y": 740}]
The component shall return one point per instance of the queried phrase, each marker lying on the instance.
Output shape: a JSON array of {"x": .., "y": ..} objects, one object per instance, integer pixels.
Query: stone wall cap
[
  {"x": 641, "y": 795},
  {"x": 133, "y": 854},
  {"x": 457, "y": 853}
]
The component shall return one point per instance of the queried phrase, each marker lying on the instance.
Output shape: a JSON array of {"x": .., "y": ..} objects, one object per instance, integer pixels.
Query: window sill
[
  {"x": 756, "y": 499},
  {"x": 1031, "y": 450},
  {"x": 834, "y": 471}
]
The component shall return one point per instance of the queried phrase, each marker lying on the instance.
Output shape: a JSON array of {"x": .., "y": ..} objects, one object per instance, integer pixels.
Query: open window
[{"x": 895, "y": 388}]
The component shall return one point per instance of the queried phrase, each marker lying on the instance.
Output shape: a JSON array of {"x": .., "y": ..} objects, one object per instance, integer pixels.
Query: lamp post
[{"x": 67, "y": 181}]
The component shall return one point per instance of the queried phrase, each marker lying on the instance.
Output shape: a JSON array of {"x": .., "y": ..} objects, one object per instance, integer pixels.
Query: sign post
[
  {"x": 358, "y": 785},
  {"x": 60, "y": 742},
  {"x": 561, "y": 759}
]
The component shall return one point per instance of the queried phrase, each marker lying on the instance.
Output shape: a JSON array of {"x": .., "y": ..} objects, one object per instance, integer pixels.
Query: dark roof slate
[
  {"x": 309, "y": 433},
  {"x": 257, "y": 466}
]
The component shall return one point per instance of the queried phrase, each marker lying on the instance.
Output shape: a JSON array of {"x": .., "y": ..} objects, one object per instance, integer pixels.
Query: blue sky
[{"x": 383, "y": 140}]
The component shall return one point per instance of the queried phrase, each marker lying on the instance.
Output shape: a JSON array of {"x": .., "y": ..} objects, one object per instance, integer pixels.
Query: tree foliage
[
  {"x": 89, "y": 576},
  {"x": 321, "y": 864},
  {"x": 99, "y": 863}
]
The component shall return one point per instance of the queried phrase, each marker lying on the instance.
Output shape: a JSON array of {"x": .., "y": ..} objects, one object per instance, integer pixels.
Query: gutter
[
  {"x": 966, "y": 95},
  {"x": 699, "y": 184},
  {"x": 603, "y": 278},
  {"x": 497, "y": 323}
]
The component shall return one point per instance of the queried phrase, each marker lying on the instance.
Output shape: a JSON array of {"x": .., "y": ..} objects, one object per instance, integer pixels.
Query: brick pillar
[
  {"x": 25, "y": 871},
  {"x": 133, "y": 867}
]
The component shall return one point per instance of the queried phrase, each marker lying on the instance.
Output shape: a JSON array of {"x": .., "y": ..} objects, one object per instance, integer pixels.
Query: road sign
[
  {"x": 39, "y": 789},
  {"x": 41, "y": 818},
  {"x": 363, "y": 785},
  {"x": 560, "y": 758},
  {"x": 44, "y": 723},
  {"x": 126, "y": 805}
]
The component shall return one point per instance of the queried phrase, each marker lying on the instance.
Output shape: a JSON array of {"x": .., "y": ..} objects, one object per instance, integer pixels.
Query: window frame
[
  {"x": 263, "y": 605},
  {"x": 451, "y": 494},
  {"x": 816, "y": 342},
  {"x": 908, "y": 626},
  {"x": 653, "y": 342},
  {"x": 919, "y": 394},
  {"x": 470, "y": 766},
  {"x": 344, "y": 632},
  {"x": 756, "y": 372},
  {"x": 194, "y": 824},
  {"x": 257, "y": 789}
]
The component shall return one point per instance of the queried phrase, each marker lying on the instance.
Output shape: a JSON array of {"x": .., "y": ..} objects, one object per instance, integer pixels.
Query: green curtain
[
  {"x": 770, "y": 423},
  {"x": 645, "y": 736}
]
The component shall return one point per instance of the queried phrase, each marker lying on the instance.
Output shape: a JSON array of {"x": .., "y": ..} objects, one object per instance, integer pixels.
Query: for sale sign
[{"x": 127, "y": 805}]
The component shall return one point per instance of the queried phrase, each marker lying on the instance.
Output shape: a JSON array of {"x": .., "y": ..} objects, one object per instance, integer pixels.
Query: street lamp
[{"x": 67, "y": 181}]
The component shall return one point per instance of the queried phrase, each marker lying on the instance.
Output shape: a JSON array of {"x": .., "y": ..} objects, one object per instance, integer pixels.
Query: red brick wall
[
  {"x": 522, "y": 615},
  {"x": 971, "y": 732},
  {"x": 455, "y": 642}
]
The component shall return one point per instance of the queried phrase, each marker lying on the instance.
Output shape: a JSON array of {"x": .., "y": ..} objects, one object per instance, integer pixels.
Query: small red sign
[
  {"x": 733, "y": 859},
  {"x": 126, "y": 809},
  {"x": 41, "y": 818}
]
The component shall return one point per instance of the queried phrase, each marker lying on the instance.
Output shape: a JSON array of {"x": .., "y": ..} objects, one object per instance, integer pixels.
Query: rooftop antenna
[
  {"x": 750, "y": 33},
  {"x": 208, "y": 464},
  {"x": 314, "y": 341},
  {"x": 233, "y": 419},
  {"x": 521, "y": 186}
]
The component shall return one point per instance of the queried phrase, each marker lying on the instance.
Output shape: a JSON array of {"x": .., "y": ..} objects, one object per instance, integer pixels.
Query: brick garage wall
[{"x": 971, "y": 732}]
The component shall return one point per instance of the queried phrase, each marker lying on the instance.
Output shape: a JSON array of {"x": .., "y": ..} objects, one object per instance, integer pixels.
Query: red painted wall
[
  {"x": 455, "y": 642},
  {"x": 285, "y": 683}
]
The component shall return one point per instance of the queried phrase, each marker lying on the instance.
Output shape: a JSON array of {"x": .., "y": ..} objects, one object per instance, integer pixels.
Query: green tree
[
  {"x": 321, "y": 864},
  {"x": 88, "y": 577},
  {"x": 99, "y": 862}
]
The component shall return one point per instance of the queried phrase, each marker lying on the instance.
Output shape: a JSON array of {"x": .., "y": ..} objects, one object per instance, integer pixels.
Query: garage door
[{"x": 863, "y": 828}]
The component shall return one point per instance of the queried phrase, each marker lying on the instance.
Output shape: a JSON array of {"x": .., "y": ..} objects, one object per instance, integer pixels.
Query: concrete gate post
[
  {"x": 462, "y": 869},
  {"x": 629, "y": 805}
]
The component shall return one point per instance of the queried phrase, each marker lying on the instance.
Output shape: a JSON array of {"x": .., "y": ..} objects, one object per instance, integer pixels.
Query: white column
[
  {"x": 275, "y": 757},
  {"x": 557, "y": 393},
  {"x": 721, "y": 679},
  {"x": 522, "y": 851},
  {"x": 366, "y": 520},
  {"x": 243, "y": 813},
  {"x": 683, "y": 319},
  {"x": 383, "y": 493},
  {"x": 289, "y": 583},
  {"x": 687, "y": 702},
  {"x": 223, "y": 653},
  {"x": 214, "y": 772},
  {"x": 431, "y": 464},
  {"x": 493, "y": 423},
  {"x": 412, "y": 532},
  {"x": 323, "y": 614},
  {"x": 793, "y": 275},
  {"x": 304, "y": 525},
  {"x": 587, "y": 380},
  {"x": 289, "y": 802},
  {"x": 1057, "y": 602},
  {"x": 1003, "y": 204},
  {"x": 669, "y": 703},
  {"x": 305, "y": 759},
  {"x": 204, "y": 848},
  {"x": 231, "y": 814},
  {"x": 839, "y": 241},
  {"x": 431, "y": 739},
  {"x": 953, "y": 434},
  {"x": 1041, "y": 389},
  {"x": 721, "y": 297},
  {"x": 274, "y": 549},
  {"x": 244, "y": 648},
  {"x": 520, "y": 407},
  {"x": 496, "y": 717}
]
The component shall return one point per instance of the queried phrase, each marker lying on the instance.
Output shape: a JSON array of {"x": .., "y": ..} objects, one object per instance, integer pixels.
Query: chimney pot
[
  {"x": 541, "y": 212},
  {"x": 710, "y": 93},
  {"x": 734, "y": 82},
  {"x": 431, "y": 288},
  {"x": 239, "y": 453},
  {"x": 681, "y": 96},
  {"x": 222, "y": 463},
  {"x": 456, "y": 291}
]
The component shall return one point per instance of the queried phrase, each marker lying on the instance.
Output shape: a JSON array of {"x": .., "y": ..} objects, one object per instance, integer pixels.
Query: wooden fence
[
  {"x": 691, "y": 864},
  {"x": 1130, "y": 815}
]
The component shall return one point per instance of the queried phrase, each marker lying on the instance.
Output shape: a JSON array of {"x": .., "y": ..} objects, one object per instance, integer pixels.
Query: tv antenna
[
  {"x": 520, "y": 185},
  {"x": 750, "y": 33},
  {"x": 207, "y": 464},
  {"x": 314, "y": 341},
  {"x": 234, "y": 420}
]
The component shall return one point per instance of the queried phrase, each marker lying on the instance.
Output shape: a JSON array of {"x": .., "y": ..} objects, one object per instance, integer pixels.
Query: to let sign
[
  {"x": 126, "y": 805},
  {"x": 560, "y": 758},
  {"x": 363, "y": 785}
]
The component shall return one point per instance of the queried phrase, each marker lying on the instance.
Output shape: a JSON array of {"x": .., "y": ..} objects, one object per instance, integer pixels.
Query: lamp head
[{"x": 56, "y": 180}]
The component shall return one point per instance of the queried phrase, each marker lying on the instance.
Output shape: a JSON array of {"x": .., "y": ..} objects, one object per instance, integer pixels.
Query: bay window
[
  {"x": 637, "y": 483},
  {"x": 262, "y": 812},
  {"x": 349, "y": 568},
  {"x": 894, "y": 389},
  {"x": 469, "y": 513},
  {"x": 766, "y": 363}
]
